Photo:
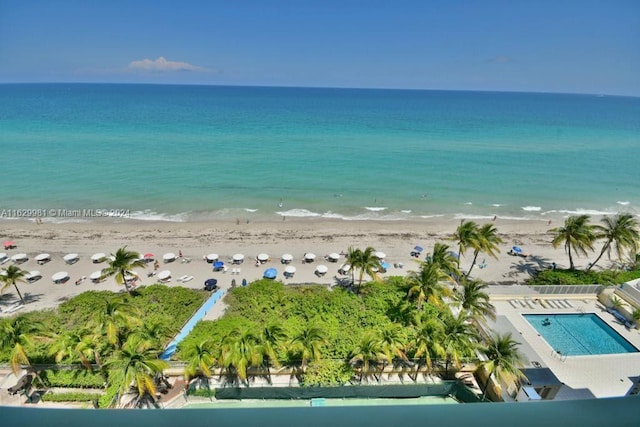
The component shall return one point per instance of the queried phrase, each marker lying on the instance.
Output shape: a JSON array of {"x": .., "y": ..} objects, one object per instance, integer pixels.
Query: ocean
[{"x": 194, "y": 153}]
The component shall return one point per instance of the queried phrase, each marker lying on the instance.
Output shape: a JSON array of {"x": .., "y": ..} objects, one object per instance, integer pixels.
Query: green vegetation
[
  {"x": 115, "y": 338},
  {"x": 71, "y": 397},
  {"x": 582, "y": 277}
]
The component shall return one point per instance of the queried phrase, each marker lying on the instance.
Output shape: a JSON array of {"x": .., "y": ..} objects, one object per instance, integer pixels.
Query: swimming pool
[{"x": 579, "y": 334}]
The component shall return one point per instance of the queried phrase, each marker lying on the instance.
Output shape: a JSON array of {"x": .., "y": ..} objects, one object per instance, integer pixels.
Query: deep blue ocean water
[{"x": 205, "y": 152}]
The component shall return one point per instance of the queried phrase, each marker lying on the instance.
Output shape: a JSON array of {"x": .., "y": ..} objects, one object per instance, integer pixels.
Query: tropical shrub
[
  {"x": 71, "y": 397},
  {"x": 327, "y": 373}
]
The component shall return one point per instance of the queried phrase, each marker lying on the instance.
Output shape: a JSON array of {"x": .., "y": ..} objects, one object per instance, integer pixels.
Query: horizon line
[{"x": 320, "y": 87}]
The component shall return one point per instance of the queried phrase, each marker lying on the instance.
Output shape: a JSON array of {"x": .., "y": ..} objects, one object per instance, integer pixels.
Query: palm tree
[
  {"x": 158, "y": 332},
  {"x": 370, "y": 350},
  {"x": 308, "y": 343},
  {"x": 121, "y": 266},
  {"x": 136, "y": 364},
  {"x": 271, "y": 338},
  {"x": 427, "y": 284},
  {"x": 504, "y": 360},
  {"x": 240, "y": 350},
  {"x": 17, "y": 334},
  {"x": 365, "y": 261},
  {"x": 487, "y": 241},
  {"x": 10, "y": 277},
  {"x": 445, "y": 259},
  {"x": 200, "y": 357},
  {"x": 116, "y": 317},
  {"x": 428, "y": 342},
  {"x": 70, "y": 345},
  {"x": 465, "y": 236},
  {"x": 394, "y": 342},
  {"x": 576, "y": 234},
  {"x": 475, "y": 301},
  {"x": 620, "y": 230},
  {"x": 459, "y": 337}
]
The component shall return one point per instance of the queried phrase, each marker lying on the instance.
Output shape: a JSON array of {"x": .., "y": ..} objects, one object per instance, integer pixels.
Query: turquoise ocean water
[{"x": 185, "y": 153}]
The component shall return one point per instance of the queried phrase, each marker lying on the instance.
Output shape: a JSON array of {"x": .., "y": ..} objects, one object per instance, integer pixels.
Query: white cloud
[{"x": 162, "y": 65}]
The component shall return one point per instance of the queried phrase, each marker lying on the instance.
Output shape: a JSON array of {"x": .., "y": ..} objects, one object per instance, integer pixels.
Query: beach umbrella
[
  {"x": 287, "y": 257},
  {"x": 380, "y": 255},
  {"x": 42, "y": 258},
  {"x": 322, "y": 269},
  {"x": 19, "y": 258},
  {"x": 96, "y": 276},
  {"x": 3, "y": 256},
  {"x": 309, "y": 257},
  {"x": 164, "y": 275},
  {"x": 517, "y": 249},
  {"x": 333, "y": 257},
  {"x": 238, "y": 258},
  {"x": 32, "y": 276},
  {"x": 263, "y": 257},
  {"x": 210, "y": 284},
  {"x": 385, "y": 265},
  {"x": 453, "y": 254},
  {"x": 270, "y": 273},
  {"x": 149, "y": 256},
  {"x": 168, "y": 257},
  {"x": 212, "y": 257},
  {"x": 9, "y": 244},
  {"x": 98, "y": 257},
  {"x": 418, "y": 248},
  {"x": 70, "y": 258},
  {"x": 218, "y": 265},
  {"x": 291, "y": 270},
  {"x": 60, "y": 276}
]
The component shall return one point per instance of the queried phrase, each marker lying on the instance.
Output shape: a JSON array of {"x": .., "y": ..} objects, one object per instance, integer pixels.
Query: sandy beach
[{"x": 296, "y": 237}]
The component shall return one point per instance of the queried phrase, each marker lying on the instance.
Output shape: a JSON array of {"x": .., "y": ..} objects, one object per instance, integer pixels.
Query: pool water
[{"x": 579, "y": 334}]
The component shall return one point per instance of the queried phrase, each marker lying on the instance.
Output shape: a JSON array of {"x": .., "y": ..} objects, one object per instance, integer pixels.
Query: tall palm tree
[
  {"x": 577, "y": 235},
  {"x": 459, "y": 337},
  {"x": 115, "y": 319},
  {"x": 487, "y": 241},
  {"x": 241, "y": 350},
  {"x": 158, "y": 332},
  {"x": 69, "y": 345},
  {"x": 475, "y": 301},
  {"x": 271, "y": 339},
  {"x": 621, "y": 231},
  {"x": 445, "y": 259},
  {"x": 308, "y": 343},
  {"x": 121, "y": 266},
  {"x": 504, "y": 360},
  {"x": 428, "y": 342},
  {"x": 200, "y": 358},
  {"x": 394, "y": 342},
  {"x": 465, "y": 237},
  {"x": 10, "y": 277},
  {"x": 369, "y": 351},
  {"x": 427, "y": 284},
  {"x": 18, "y": 334},
  {"x": 134, "y": 367},
  {"x": 364, "y": 261}
]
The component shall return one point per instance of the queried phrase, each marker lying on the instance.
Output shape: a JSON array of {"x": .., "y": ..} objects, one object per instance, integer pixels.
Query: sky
[{"x": 572, "y": 46}]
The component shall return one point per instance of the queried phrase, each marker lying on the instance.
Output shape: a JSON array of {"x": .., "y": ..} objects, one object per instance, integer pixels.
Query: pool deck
[{"x": 583, "y": 376}]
